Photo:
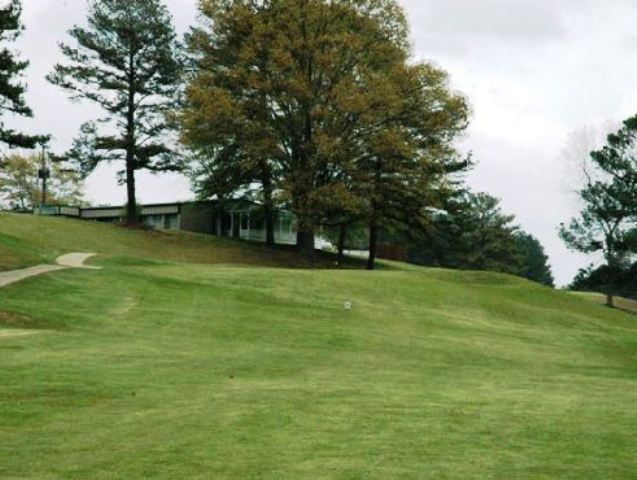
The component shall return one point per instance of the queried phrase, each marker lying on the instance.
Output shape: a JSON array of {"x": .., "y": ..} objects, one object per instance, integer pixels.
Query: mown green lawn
[
  {"x": 159, "y": 369},
  {"x": 625, "y": 304}
]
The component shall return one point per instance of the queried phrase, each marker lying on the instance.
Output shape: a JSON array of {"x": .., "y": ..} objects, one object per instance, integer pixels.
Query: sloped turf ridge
[{"x": 27, "y": 240}]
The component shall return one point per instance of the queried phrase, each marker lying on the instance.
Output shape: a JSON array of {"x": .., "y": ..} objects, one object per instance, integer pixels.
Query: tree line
[
  {"x": 470, "y": 232},
  {"x": 315, "y": 106}
]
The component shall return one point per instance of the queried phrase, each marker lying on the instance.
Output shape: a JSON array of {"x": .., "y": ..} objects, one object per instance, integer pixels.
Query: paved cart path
[
  {"x": 71, "y": 260},
  {"x": 75, "y": 260}
]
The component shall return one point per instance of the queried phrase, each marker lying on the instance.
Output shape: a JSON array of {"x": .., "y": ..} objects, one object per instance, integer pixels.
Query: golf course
[{"x": 186, "y": 356}]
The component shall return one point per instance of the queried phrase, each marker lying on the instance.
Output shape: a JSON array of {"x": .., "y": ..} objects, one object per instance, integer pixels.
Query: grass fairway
[{"x": 162, "y": 369}]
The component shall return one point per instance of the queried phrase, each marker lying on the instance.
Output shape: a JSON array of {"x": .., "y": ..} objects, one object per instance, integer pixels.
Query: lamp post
[{"x": 44, "y": 173}]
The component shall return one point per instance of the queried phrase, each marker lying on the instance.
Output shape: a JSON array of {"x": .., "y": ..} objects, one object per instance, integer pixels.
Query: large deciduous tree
[
  {"x": 226, "y": 120},
  {"x": 608, "y": 220},
  {"x": 127, "y": 61},
  {"x": 319, "y": 98},
  {"x": 12, "y": 89},
  {"x": 405, "y": 155}
]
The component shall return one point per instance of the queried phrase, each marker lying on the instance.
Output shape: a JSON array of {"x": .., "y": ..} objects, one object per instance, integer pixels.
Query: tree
[
  {"x": 608, "y": 218},
  {"x": 12, "y": 90},
  {"x": 471, "y": 232},
  {"x": 236, "y": 150},
  {"x": 406, "y": 158},
  {"x": 126, "y": 61},
  {"x": 578, "y": 167},
  {"x": 346, "y": 234},
  {"x": 604, "y": 278},
  {"x": 286, "y": 83},
  {"x": 20, "y": 187},
  {"x": 535, "y": 265},
  {"x": 318, "y": 96},
  {"x": 225, "y": 175},
  {"x": 485, "y": 235}
]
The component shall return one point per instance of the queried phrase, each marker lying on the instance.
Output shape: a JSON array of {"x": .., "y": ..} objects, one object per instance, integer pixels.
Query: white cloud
[{"x": 520, "y": 20}]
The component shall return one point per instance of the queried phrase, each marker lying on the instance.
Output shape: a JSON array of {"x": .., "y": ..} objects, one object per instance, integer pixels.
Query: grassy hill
[
  {"x": 157, "y": 368},
  {"x": 27, "y": 240}
]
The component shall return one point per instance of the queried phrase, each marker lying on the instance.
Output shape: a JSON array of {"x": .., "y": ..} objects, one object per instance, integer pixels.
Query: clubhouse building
[{"x": 232, "y": 219}]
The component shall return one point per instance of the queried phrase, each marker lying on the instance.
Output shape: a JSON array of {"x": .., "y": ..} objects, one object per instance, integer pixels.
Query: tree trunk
[
  {"x": 373, "y": 223},
  {"x": 132, "y": 219},
  {"x": 305, "y": 242},
  {"x": 44, "y": 191},
  {"x": 305, "y": 228},
  {"x": 341, "y": 245},
  {"x": 610, "y": 300},
  {"x": 373, "y": 242},
  {"x": 268, "y": 207},
  {"x": 268, "y": 212}
]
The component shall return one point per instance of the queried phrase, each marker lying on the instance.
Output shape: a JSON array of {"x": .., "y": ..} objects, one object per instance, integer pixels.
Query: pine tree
[
  {"x": 608, "y": 218},
  {"x": 12, "y": 90},
  {"x": 471, "y": 231},
  {"x": 127, "y": 61},
  {"x": 535, "y": 263}
]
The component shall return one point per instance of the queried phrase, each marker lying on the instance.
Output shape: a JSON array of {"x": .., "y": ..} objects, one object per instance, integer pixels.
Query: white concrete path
[
  {"x": 71, "y": 260},
  {"x": 75, "y": 260}
]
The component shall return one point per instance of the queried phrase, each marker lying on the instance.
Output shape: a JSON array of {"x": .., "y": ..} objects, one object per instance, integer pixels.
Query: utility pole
[{"x": 44, "y": 174}]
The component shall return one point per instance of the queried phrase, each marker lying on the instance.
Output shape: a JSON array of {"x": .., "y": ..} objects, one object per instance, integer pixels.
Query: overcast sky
[{"x": 533, "y": 70}]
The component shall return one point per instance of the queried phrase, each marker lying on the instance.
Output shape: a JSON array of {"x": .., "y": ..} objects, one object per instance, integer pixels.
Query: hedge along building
[{"x": 233, "y": 219}]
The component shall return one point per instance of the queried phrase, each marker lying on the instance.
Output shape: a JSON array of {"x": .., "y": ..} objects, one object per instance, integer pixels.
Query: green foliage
[
  {"x": 322, "y": 98},
  {"x": 405, "y": 154},
  {"x": 609, "y": 216},
  {"x": 473, "y": 233},
  {"x": 356, "y": 235},
  {"x": 126, "y": 61},
  {"x": 608, "y": 220},
  {"x": 20, "y": 187},
  {"x": 609, "y": 280},
  {"x": 535, "y": 263},
  {"x": 486, "y": 234},
  {"x": 12, "y": 90}
]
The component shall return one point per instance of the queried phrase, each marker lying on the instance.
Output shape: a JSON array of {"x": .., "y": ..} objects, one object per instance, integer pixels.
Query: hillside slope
[
  {"x": 625, "y": 304},
  {"x": 150, "y": 369},
  {"x": 27, "y": 240}
]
